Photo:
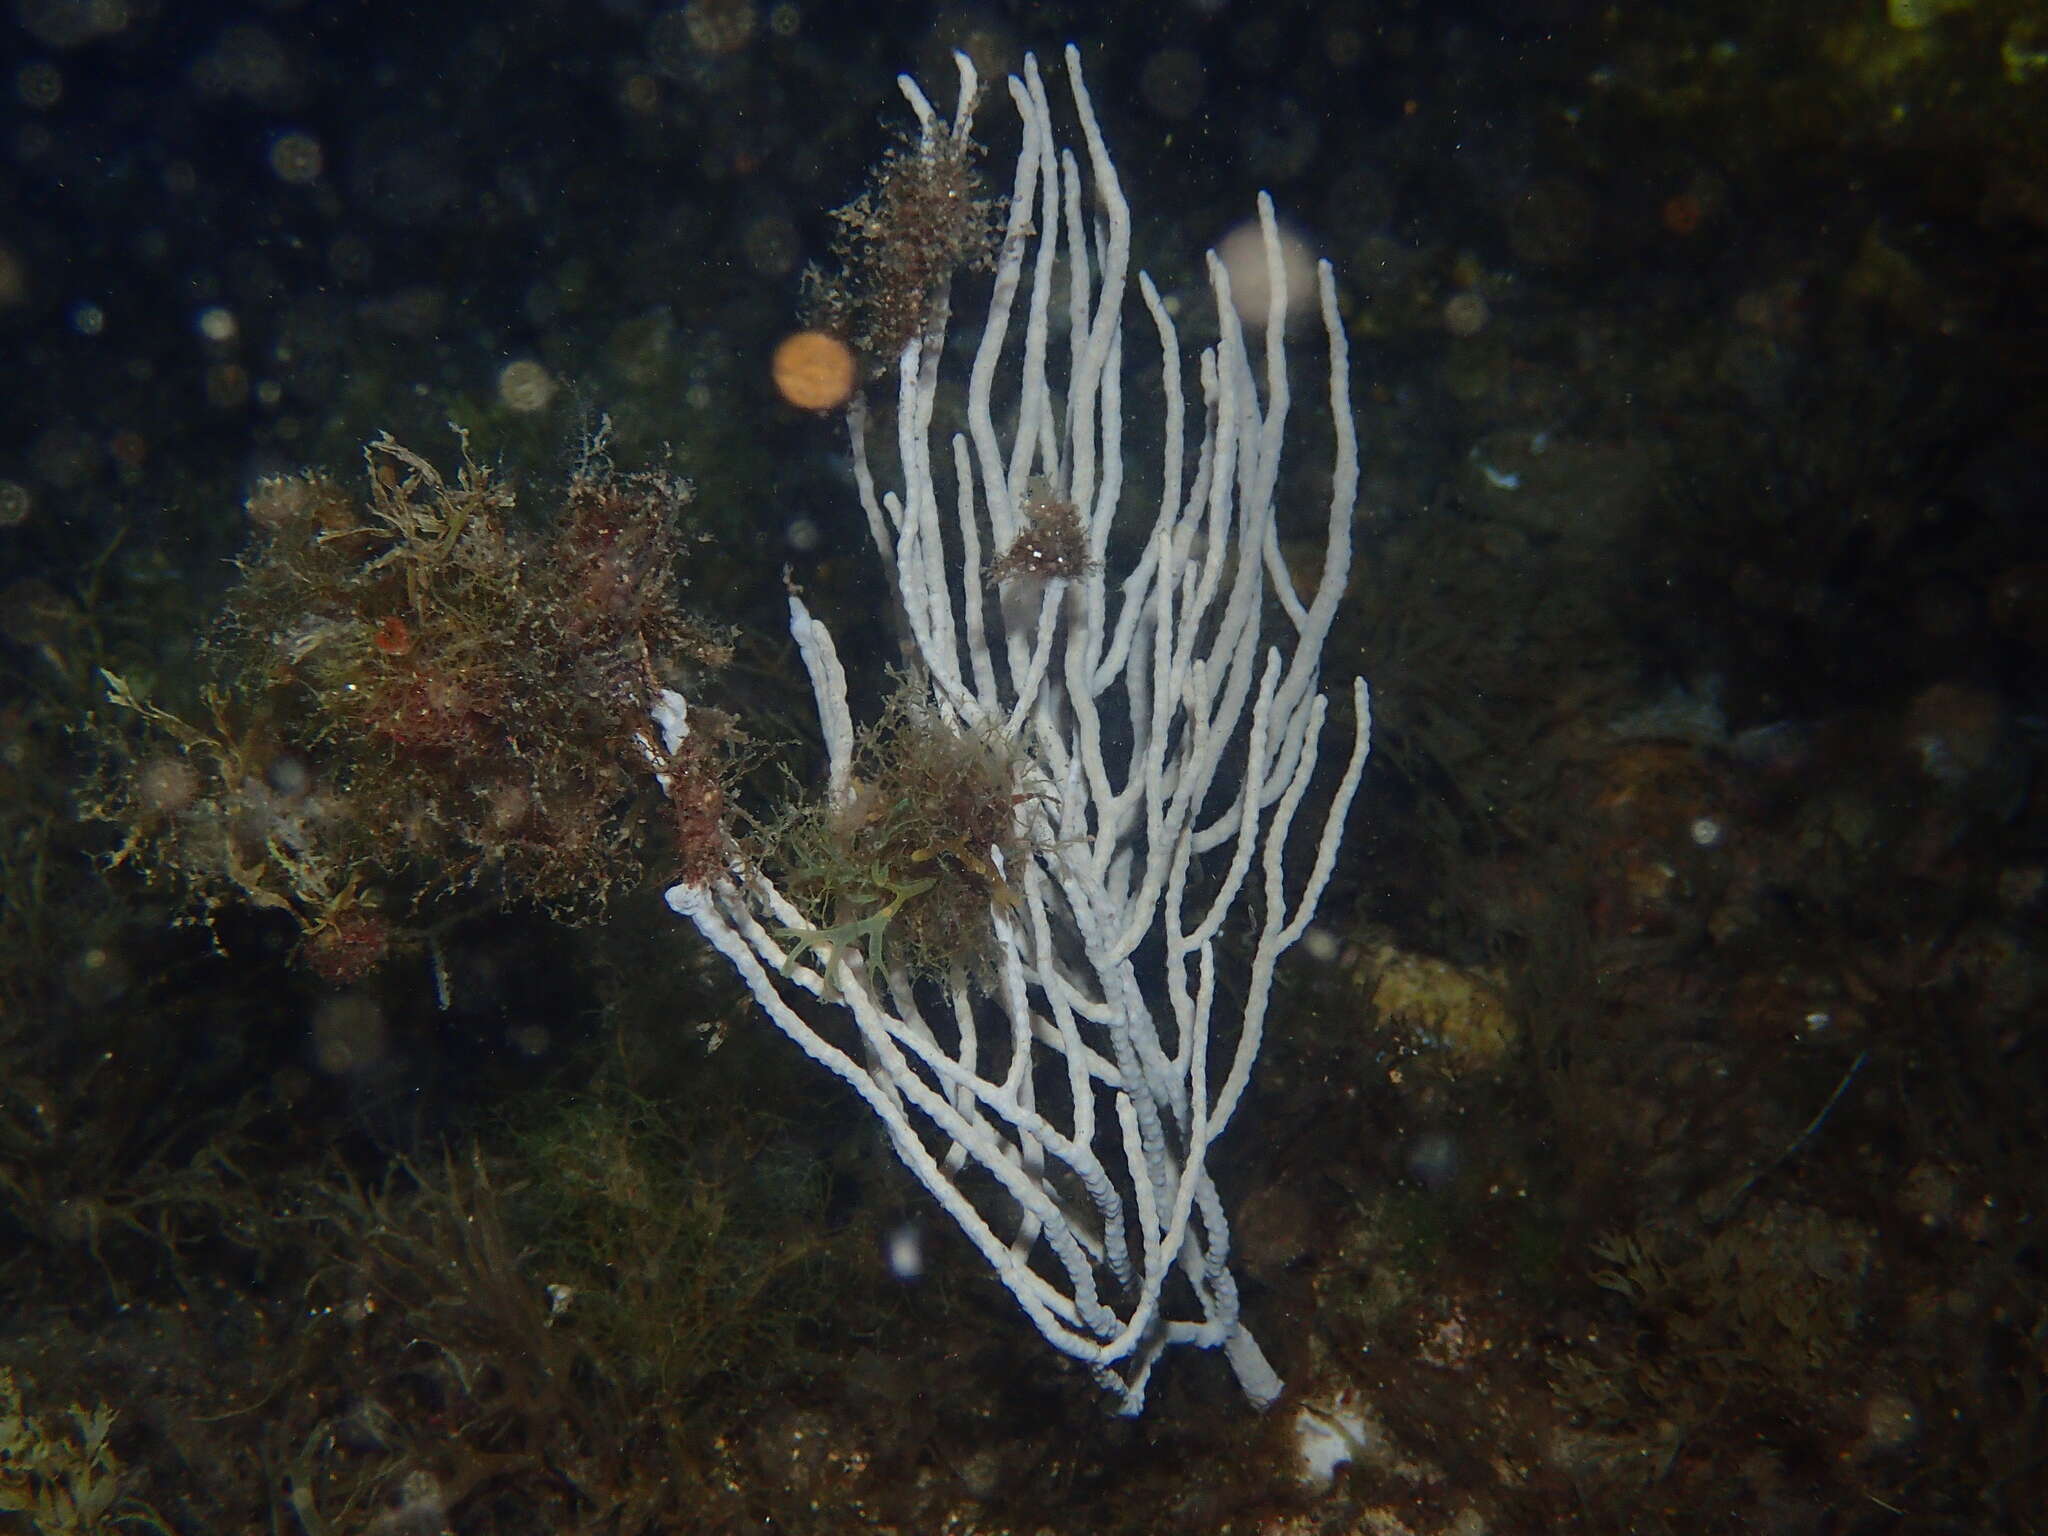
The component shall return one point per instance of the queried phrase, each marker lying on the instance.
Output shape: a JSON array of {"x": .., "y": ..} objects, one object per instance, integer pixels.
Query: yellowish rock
[{"x": 1463, "y": 1014}]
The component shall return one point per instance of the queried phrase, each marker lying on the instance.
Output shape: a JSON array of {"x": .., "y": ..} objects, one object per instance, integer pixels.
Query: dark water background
[{"x": 1654, "y": 1138}]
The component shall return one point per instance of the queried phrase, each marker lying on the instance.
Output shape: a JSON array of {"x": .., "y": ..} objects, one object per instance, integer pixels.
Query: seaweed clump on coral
[
  {"x": 415, "y": 695},
  {"x": 928, "y": 842},
  {"x": 1051, "y": 546},
  {"x": 922, "y": 217}
]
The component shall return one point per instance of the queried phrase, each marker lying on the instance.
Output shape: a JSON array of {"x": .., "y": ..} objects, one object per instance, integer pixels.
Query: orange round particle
[
  {"x": 814, "y": 372},
  {"x": 1684, "y": 213}
]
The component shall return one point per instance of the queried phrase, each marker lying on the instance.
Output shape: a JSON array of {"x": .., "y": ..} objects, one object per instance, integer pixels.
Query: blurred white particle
[
  {"x": 903, "y": 1252},
  {"x": 39, "y": 85},
  {"x": 68, "y": 23},
  {"x": 297, "y": 158},
  {"x": 247, "y": 61},
  {"x": 1343, "y": 47},
  {"x": 1321, "y": 944},
  {"x": 13, "y": 277},
  {"x": 98, "y": 976},
  {"x": 801, "y": 535},
  {"x": 217, "y": 324},
  {"x": 1433, "y": 1160},
  {"x": 640, "y": 94},
  {"x": 87, "y": 318},
  {"x": 1466, "y": 313},
  {"x": 1706, "y": 831},
  {"x": 526, "y": 386},
  {"x": 290, "y": 776},
  {"x": 1243, "y": 254},
  {"x": 16, "y": 504},
  {"x": 770, "y": 242},
  {"x": 167, "y": 786},
  {"x": 349, "y": 1035},
  {"x": 718, "y": 26}
]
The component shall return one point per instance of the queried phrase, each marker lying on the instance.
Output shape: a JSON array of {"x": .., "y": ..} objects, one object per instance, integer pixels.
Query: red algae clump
[{"x": 416, "y": 694}]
